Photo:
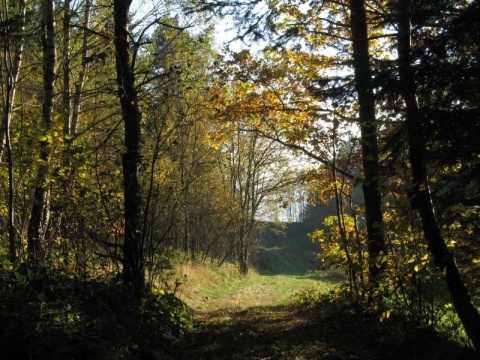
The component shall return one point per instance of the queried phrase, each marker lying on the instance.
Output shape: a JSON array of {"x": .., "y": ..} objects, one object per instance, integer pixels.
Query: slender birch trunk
[
  {"x": 12, "y": 61},
  {"x": 82, "y": 77},
  {"x": 66, "y": 94}
]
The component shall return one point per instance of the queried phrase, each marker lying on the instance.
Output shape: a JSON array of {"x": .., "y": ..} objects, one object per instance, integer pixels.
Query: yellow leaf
[{"x": 385, "y": 315}]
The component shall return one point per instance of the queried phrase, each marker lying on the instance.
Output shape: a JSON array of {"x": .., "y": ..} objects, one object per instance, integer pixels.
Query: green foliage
[
  {"x": 350, "y": 322},
  {"x": 50, "y": 316},
  {"x": 411, "y": 286},
  {"x": 309, "y": 299}
]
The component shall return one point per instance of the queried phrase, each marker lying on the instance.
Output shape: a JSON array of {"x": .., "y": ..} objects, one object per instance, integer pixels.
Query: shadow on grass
[
  {"x": 285, "y": 253},
  {"x": 328, "y": 276},
  {"x": 255, "y": 333},
  {"x": 338, "y": 333},
  {"x": 286, "y": 260}
]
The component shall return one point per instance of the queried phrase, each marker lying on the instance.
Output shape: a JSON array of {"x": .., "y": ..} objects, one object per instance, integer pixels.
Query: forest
[{"x": 136, "y": 136}]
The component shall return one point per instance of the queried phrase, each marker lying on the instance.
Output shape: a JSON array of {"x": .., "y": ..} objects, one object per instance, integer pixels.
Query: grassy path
[
  {"x": 269, "y": 332},
  {"x": 251, "y": 317},
  {"x": 256, "y": 291}
]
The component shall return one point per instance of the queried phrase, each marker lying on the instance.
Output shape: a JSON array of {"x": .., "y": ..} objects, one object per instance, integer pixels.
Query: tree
[
  {"x": 256, "y": 169},
  {"x": 341, "y": 235},
  {"x": 72, "y": 100},
  {"x": 40, "y": 213},
  {"x": 368, "y": 128},
  {"x": 133, "y": 266},
  {"x": 421, "y": 195},
  {"x": 321, "y": 26},
  {"x": 177, "y": 127},
  {"x": 13, "y": 45}
]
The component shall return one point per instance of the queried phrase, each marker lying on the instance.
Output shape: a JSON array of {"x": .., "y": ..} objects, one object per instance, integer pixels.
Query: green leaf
[
  {"x": 41, "y": 297},
  {"x": 19, "y": 277}
]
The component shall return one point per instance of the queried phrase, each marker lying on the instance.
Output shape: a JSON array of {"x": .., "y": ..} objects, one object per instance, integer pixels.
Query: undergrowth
[
  {"x": 48, "y": 315},
  {"x": 347, "y": 322}
]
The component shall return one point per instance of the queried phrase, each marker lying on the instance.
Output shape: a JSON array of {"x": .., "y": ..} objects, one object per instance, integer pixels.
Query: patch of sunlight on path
[
  {"x": 241, "y": 293},
  {"x": 240, "y": 318}
]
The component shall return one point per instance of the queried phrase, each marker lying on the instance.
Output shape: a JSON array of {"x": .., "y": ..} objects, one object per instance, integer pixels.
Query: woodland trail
[
  {"x": 255, "y": 321},
  {"x": 256, "y": 333},
  {"x": 254, "y": 317}
]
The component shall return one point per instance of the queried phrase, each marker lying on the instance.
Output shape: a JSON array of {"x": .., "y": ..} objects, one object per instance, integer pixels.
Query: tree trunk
[
  {"x": 368, "y": 128},
  {"x": 37, "y": 224},
  {"x": 66, "y": 95},
  {"x": 133, "y": 267},
  {"x": 12, "y": 61},
  {"x": 78, "y": 93},
  {"x": 443, "y": 258},
  {"x": 340, "y": 213},
  {"x": 72, "y": 101}
]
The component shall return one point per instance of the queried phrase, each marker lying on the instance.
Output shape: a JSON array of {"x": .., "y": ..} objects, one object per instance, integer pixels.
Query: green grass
[
  {"x": 256, "y": 317},
  {"x": 290, "y": 253},
  {"x": 217, "y": 291},
  {"x": 281, "y": 266}
]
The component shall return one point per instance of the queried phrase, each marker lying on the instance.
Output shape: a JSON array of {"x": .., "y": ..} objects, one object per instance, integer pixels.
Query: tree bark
[
  {"x": 340, "y": 213},
  {"x": 133, "y": 266},
  {"x": 368, "y": 128},
  {"x": 66, "y": 95},
  {"x": 12, "y": 61},
  {"x": 443, "y": 258},
  {"x": 82, "y": 77},
  {"x": 37, "y": 221}
]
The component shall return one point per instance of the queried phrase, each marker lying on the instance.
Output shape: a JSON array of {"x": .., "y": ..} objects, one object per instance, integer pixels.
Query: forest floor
[{"x": 258, "y": 317}]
